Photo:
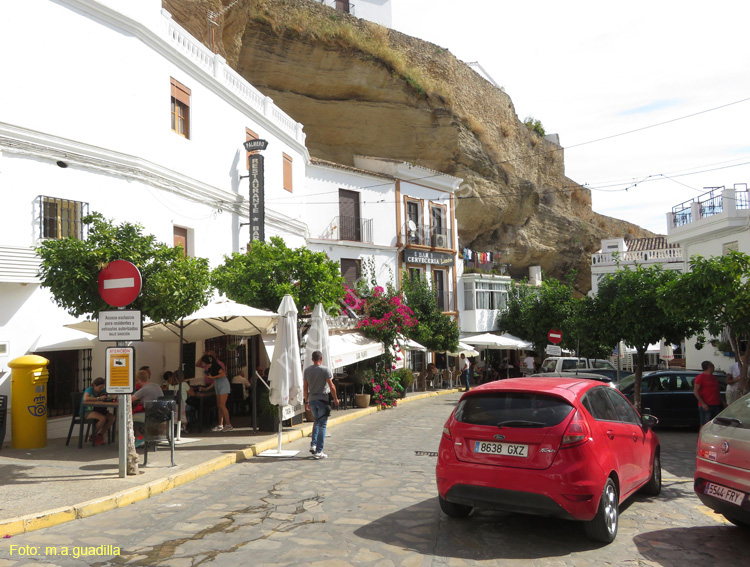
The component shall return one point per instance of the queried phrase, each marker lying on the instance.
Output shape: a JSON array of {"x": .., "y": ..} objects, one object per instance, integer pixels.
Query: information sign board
[
  {"x": 120, "y": 371},
  {"x": 120, "y": 325}
]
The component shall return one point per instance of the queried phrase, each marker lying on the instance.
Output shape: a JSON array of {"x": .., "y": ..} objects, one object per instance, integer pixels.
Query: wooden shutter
[{"x": 287, "y": 172}]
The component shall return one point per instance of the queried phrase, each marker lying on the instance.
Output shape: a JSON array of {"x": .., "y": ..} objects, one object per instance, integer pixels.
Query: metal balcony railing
[
  {"x": 716, "y": 201},
  {"x": 427, "y": 235},
  {"x": 355, "y": 229}
]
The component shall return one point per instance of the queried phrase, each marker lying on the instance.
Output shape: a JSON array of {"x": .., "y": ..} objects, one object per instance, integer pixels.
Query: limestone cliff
[{"x": 359, "y": 88}]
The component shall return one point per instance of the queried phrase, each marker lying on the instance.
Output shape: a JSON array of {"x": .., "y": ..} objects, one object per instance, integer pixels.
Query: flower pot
[{"x": 361, "y": 400}]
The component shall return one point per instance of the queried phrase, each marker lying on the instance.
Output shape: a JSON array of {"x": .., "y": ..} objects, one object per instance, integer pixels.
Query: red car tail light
[
  {"x": 576, "y": 433},
  {"x": 447, "y": 432}
]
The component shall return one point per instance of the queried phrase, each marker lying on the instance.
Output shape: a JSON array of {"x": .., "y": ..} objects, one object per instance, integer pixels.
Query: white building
[
  {"x": 127, "y": 115},
  {"x": 710, "y": 225},
  {"x": 618, "y": 253},
  {"x": 378, "y": 11}
]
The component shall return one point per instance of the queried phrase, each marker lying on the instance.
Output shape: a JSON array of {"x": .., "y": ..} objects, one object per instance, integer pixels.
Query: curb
[{"x": 57, "y": 516}]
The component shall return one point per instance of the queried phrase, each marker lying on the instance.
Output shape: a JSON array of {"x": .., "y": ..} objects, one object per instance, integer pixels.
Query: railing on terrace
[
  {"x": 660, "y": 256},
  {"x": 427, "y": 235},
  {"x": 355, "y": 229},
  {"x": 215, "y": 65},
  {"x": 715, "y": 201}
]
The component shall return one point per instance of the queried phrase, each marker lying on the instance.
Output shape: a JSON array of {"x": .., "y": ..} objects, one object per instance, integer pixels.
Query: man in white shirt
[
  {"x": 466, "y": 369},
  {"x": 529, "y": 364},
  {"x": 733, "y": 382}
]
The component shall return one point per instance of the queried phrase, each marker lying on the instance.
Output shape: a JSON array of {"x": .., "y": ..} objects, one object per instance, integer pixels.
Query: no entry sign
[
  {"x": 119, "y": 283},
  {"x": 554, "y": 336}
]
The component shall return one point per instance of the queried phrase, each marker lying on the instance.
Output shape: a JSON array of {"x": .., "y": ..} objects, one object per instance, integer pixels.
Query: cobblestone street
[{"x": 374, "y": 503}]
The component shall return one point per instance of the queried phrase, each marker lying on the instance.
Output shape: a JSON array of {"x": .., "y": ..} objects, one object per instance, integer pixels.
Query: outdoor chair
[{"x": 76, "y": 398}]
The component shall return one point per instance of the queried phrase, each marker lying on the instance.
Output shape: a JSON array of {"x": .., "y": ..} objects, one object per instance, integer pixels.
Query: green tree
[
  {"x": 533, "y": 311},
  {"x": 173, "y": 285},
  {"x": 269, "y": 270},
  {"x": 632, "y": 303},
  {"x": 715, "y": 293},
  {"x": 434, "y": 330}
]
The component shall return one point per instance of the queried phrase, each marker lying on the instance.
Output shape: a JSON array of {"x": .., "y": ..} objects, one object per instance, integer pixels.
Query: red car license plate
[
  {"x": 724, "y": 493},
  {"x": 506, "y": 449}
]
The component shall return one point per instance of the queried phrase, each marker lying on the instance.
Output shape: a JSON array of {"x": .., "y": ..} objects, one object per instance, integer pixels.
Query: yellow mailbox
[{"x": 28, "y": 406}]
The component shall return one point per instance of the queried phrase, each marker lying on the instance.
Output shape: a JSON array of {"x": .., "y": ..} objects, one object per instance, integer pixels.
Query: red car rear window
[{"x": 513, "y": 409}]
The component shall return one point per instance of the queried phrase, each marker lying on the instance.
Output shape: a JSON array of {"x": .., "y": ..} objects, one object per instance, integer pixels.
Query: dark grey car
[{"x": 668, "y": 394}]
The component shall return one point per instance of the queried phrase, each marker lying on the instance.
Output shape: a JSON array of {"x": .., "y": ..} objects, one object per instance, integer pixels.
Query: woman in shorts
[{"x": 220, "y": 384}]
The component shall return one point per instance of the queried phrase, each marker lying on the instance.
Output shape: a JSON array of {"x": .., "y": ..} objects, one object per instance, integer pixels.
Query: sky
[{"x": 674, "y": 71}]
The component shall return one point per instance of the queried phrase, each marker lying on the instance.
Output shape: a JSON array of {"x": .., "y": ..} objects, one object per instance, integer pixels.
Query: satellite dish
[{"x": 412, "y": 226}]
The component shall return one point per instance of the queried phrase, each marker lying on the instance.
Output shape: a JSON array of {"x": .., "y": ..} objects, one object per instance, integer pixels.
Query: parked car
[
  {"x": 722, "y": 464},
  {"x": 563, "y": 363},
  {"x": 559, "y": 447},
  {"x": 584, "y": 374},
  {"x": 668, "y": 394}
]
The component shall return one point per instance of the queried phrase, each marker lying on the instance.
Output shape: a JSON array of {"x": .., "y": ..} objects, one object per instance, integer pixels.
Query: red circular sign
[
  {"x": 119, "y": 283},
  {"x": 554, "y": 336}
]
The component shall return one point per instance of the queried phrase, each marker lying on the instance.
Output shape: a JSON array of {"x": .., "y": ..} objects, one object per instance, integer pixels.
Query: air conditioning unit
[{"x": 441, "y": 241}]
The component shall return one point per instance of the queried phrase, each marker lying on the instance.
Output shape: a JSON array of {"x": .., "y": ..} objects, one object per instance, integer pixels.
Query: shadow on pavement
[
  {"x": 485, "y": 535},
  {"x": 702, "y": 545}
]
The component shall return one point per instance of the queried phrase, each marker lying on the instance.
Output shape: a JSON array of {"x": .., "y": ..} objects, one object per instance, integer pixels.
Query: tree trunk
[
  {"x": 132, "y": 456},
  {"x": 640, "y": 362}
]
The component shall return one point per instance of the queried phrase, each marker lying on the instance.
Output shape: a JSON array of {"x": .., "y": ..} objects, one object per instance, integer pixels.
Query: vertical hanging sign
[
  {"x": 257, "y": 199},
  {"x": 257, "y": 188}
]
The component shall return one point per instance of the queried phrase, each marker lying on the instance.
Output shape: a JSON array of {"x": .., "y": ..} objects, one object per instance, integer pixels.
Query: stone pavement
[{"x": 45, "y": 487}]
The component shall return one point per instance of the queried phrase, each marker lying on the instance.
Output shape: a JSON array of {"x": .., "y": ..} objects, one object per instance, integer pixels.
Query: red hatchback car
[{"x": 558, "y": 447}]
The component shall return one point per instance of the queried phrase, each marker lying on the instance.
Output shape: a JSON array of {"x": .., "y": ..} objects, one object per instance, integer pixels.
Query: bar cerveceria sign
[{"x": 426, "y": 257}]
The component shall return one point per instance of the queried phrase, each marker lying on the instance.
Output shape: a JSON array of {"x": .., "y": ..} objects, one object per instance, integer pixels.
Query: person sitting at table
[
  {"x": 167, "y": 380},
  {"x": 241, "y": 378},
  {"x": 220, "y": 384},
  {"x": 148, "y": 392},
  {"x": 104, "y": 419},
  {"x": 183, "y": 390}
]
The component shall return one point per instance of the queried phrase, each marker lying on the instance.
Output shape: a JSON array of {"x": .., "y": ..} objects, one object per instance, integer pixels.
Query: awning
[
  {"x": 62, "y": 338},
  {"x": 352, "y": 347},
  {"x": 344, "y": 349}
]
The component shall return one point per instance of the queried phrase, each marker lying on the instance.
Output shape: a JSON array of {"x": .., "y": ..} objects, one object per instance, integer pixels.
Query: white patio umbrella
[
  {"x": 666, "y": 352},
  {"x": 220, "y": 317},
  {"x": 317, "y": 338},
  {"x": 501, "y": 342},
  {"x": 285, "y": 374},
  {"x": 466, "y": 350}
]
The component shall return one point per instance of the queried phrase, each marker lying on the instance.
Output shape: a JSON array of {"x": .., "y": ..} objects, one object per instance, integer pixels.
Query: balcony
[
  {"x": 353, "y": 229},
  {"x": 426, "y": 235},
  {"x": 661, "y": 256},
  {"x": 718, "y": 202}
]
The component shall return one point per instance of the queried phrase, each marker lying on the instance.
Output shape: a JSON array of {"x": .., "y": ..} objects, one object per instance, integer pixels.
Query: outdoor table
[
  {"x": 111, "y": 434},
  {"x": 347, "y": 389},
  {"x": 202, "y": 397}
]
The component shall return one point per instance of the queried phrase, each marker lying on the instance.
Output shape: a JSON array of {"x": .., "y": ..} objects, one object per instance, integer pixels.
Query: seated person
[
  {"x": 104, "y": 419},
  {"x": 148, "y": 392},
  {"x": 241, "y": 378},
  {"x": 182, "y": 390}
]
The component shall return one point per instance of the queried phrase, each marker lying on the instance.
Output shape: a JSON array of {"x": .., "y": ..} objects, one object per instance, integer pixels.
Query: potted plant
[
  {"x": 405, "y": 377},
  {"x": 268, "y": 414},
  {"x": 362, "y": 378}
]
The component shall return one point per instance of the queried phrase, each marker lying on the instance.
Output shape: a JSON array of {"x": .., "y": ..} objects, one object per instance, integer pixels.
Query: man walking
[
  {"x": 466, "y": 370},
  {"x": 318, "y": 383},
  {"x": 706, "y": 389}
]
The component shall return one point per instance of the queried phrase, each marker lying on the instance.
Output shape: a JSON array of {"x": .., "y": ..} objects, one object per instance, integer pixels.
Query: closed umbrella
[
  {"x": 285, "y": 374},
  {"x": 317, "y": 338}
]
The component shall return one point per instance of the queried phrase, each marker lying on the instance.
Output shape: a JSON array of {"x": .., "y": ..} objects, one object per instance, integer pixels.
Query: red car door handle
[
  {"x": 610, "y": 434},
  {"x": 635, "y": 437}
]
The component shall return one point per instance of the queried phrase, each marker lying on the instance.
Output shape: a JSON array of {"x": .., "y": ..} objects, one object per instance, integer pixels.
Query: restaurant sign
[
  {"x": 257, "y": 199},
  {"x": 412, "y": 256}
]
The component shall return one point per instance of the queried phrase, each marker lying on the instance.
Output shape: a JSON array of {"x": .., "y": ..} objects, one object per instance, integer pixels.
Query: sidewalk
[{"x": 56, "y": 484}]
